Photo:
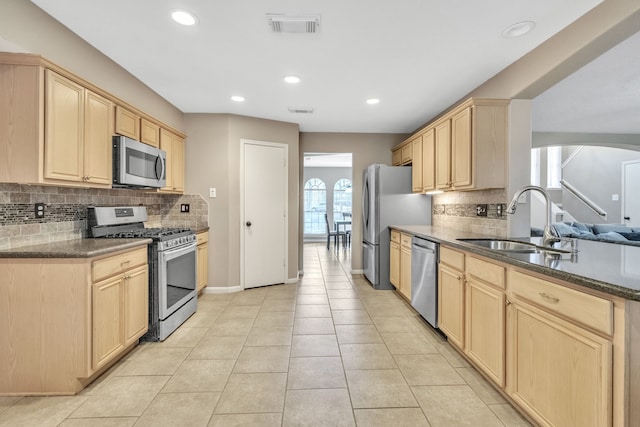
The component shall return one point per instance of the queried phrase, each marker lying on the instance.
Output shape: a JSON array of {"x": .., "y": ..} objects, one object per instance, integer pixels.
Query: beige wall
[
  {"x": 213, "y": 160},
  {"x": 366, "y": 149},
  {"x": 31, "y": 30}
]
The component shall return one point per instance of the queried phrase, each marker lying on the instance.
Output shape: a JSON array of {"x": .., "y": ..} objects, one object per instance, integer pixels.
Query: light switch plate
[{"x": 212, "y": 192}]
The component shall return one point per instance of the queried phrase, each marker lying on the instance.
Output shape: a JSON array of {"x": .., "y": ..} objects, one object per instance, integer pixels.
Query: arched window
[
  {"x": 315, "y": 206},
  {"x": 341, "y": 198}
]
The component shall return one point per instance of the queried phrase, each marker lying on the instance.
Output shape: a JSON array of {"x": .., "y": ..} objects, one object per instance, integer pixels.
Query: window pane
[
  {"x": 315, "y": 206},
  {"x": 554, "y": 167},
  {"x": 535, "y": 166},
  {"x": 342, "y": 199}
]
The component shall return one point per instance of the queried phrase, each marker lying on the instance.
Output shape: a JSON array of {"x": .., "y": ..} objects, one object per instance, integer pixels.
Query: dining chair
[{"x": 332, "y": 233}]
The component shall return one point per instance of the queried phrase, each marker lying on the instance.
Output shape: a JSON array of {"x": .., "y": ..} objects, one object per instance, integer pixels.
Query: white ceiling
[
  {"x": 601, "y": 97},
  {"x": 417, "y": 56}
]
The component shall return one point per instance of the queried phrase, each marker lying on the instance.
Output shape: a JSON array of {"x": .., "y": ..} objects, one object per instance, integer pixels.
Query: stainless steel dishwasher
[{"x": 424, "y": 279}]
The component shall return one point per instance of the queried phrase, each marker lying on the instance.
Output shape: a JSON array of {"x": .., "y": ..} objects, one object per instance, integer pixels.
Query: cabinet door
[
  {"x": 64, "y": 121},
  {"x": 136, "y": 304},
  {"x": 561, "y": 374},
  {"x": 443, "y": 155},
  {"x": 461, "y": 149},
  {"x": 203, "y": 265},
  {"x": 485, "y": 329},
  {"x": 451, "y": 304},
  {"x": 406, "y": 154},
  {"x": 97, "y": 139},
  {"x": 177, "y": 164},
  {"x": 429, "y": 161},
  {"x": 149, "y": 133},
  {"x": 394, "y": 264},
  {"x": 107, "y": 309},
  {"x": 416, "y": 170},
  {"x": 127, "y": 123},
  {"x": 166, "y": 144},
  {"x": 396, "y": 157},
  {"x": 405, "y": 273}
]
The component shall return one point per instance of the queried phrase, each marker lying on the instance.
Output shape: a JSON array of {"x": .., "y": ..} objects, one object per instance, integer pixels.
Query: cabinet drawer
[
  {"x": 453, "y": 258},
  {"x": 395, "y": 236},
  {"x": 589, "y": 310},
  {"x": 405, "y": 240},
  {"x": 202, "y": 237},
  {"x": 107, "y": 267},
  {"x": 483, "y": 270}
]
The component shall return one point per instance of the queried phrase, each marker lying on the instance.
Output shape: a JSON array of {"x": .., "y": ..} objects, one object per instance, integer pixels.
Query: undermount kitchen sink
[{"x": 504, "y": 245}]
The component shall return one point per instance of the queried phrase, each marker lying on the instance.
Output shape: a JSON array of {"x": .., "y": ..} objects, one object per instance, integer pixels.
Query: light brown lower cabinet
[
  {"x": 564, "y": 356},
  {"x": 561, "y": 374},
  {"x": 394, "y": 262},
  {"x": 202, "y": 251},
  {"x": 65, "y": 320},
  {"x": 400, "y": 263}
]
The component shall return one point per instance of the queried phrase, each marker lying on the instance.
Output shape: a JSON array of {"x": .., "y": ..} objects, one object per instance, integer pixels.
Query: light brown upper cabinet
[
  {"x": 402, "y": 154},
  {"x": 417, "y": 168},
  {"x": 149, "y": 133},
  {"x": 465, "y": 149},
  {"x": 56, "y": 128},
  {"x": 429, "y": 161},
  {"x": 77, "y": 133},
  {"x": 443, "y": 155},
  {"x": 174, "y": 146},
  {"x": 127, "y": 123}
]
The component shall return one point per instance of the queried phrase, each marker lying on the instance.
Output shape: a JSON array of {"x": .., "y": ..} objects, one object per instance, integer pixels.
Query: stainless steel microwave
[{"x": 138, "y": 165}]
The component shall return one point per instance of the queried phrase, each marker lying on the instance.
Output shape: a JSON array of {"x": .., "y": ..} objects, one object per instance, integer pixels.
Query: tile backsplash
[
  {"x": 458, "y": 210},
  {"x": 66, "y": 211}
]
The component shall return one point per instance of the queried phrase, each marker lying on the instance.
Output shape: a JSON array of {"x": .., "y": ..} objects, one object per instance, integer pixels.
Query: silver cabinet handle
[{"x": 549, "y": 298}]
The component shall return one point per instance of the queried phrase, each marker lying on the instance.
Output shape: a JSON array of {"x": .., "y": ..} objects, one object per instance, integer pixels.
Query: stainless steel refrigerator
[{"x": 387, "y": 200}]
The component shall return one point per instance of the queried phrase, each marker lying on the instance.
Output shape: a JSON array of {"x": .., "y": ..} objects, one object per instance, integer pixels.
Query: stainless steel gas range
[{"x": 172, "y": 264}]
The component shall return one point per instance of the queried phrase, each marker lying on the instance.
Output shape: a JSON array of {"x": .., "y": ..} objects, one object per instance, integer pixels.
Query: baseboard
[
  {"x": 292, "y": 280},
  {"x": 221, "y": 290},
  {"x": 357, "y": 271}
]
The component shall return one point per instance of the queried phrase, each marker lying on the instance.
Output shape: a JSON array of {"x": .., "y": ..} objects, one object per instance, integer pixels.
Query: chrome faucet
[{"x": 550, "y": 234}]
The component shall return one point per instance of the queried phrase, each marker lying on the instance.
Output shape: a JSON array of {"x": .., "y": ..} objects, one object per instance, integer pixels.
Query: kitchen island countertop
[
  {"x": 76, "y": 248},
  {"x": 606, "y": 267}
]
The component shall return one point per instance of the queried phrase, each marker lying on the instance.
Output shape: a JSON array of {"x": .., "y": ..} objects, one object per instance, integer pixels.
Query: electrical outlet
[
  {"x": 184, "y": 207},
  {"x": 212, "y": 192},
  {"x": 39, "y": 210}
]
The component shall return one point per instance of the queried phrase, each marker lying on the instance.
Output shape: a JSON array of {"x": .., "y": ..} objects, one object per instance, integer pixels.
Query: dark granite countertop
[
  {"x": 606, "y": 267},
  {"x": 77, "y": 248}
]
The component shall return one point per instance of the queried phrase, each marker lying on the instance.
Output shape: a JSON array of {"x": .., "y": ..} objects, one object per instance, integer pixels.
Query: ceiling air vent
[
  {"x": 281, "y": 23},
  {"x": 300, "y": 110}
]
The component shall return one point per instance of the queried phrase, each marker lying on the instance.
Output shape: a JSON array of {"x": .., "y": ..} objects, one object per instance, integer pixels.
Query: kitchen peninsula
[{"x": 558, "y": 334}]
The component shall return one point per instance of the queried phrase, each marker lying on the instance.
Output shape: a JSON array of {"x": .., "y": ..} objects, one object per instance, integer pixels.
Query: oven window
[{"x": 181, "y": 277}]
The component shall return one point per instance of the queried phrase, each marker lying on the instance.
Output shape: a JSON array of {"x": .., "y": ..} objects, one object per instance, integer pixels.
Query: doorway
[
  {"x": 327, "y": 190},
  {"x": 264, "y": 198},
  {"x": 630, "y": 195}
]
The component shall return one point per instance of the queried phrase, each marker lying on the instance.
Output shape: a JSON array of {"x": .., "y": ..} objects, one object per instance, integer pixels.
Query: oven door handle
[{"x": 170, "y": 254}]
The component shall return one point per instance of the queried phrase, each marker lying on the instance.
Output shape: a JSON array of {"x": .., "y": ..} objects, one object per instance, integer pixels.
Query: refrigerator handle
[{"x": 365, "y": 204}]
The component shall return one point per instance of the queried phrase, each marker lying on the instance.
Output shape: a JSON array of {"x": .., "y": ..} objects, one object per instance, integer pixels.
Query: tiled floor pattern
[{"x": 327, "y": 351}]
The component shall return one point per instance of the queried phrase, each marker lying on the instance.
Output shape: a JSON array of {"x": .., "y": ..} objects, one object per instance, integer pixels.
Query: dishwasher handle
[{"x": 424, "y": 248}]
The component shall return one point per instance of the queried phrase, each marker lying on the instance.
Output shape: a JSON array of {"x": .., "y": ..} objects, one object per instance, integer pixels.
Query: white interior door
[
  {"x": 264, "y": 213},
  {"x": 630, "y": 194}
]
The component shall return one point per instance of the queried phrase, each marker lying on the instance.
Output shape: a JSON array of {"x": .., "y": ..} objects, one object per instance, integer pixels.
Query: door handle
[
  {"x": 627, "y": 218},
  {"x": 248, "y": 223}
]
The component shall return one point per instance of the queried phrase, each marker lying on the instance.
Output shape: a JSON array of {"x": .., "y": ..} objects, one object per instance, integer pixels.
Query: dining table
[{"x": 342, "y": 223}]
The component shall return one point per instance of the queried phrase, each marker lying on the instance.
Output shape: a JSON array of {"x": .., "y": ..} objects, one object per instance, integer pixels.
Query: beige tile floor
[{"x": 327, "y": 351}]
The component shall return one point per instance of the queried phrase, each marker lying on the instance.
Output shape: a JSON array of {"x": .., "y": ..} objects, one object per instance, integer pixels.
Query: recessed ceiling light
[
  {"x": 518, "y": 29},
  {"x": 237, "y": 98},
  {"x": 183, "y": 17},
  {"x": 373, "y": 101},
  {"x": 292, "y": 79}
]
